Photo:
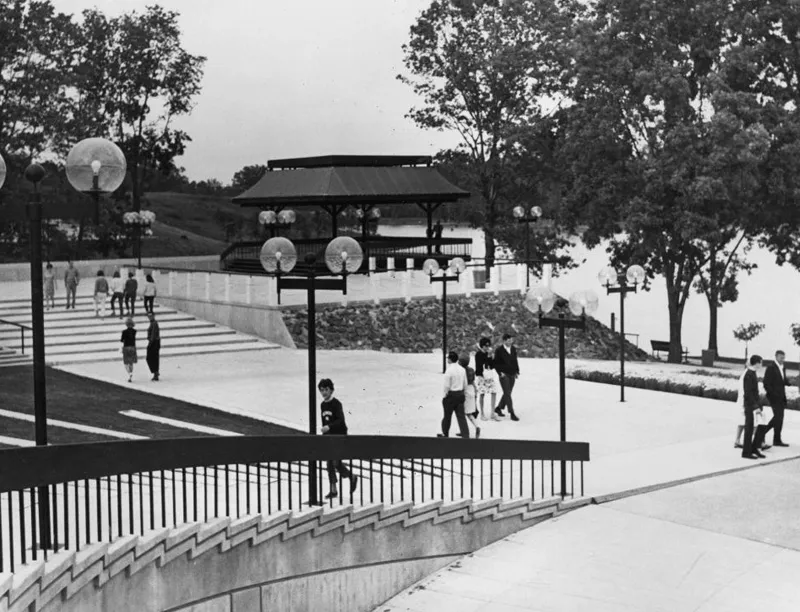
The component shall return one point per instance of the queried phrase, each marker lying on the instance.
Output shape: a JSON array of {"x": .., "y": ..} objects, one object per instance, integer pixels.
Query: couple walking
[
  {"x": 504, "y": 364},
  {"x": 128, "y": 339},
  {"x": 775, "y": 383}
]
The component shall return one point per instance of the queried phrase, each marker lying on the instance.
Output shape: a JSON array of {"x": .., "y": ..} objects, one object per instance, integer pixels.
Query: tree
[
  {"x": 746, "y": 333},
  {"x": 661, "y": 153},
  {"x": 134, "y": 79},
  {"x": 247, "y": 177},
  {"x": 482, "y": 69}
]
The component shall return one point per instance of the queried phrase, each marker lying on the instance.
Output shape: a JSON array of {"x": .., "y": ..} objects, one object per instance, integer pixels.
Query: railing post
[
  {"x": 170, "y": 282},
  {"x": 188, "y": 285},
  {"x": 468, "y": 281},
  {"x": 547, "y": 275},
  {"x": 390, "y": 266},
  {"x": 494, "y": 282},
  {"x": 522, "y": 271},
  {"x": 373, "y": 281},
  {"x": 227, "y": 287},
  {"x": 22, "y": 333},
  {"x": 248, "y": 290},
  {"x": 208, "y": 286}
]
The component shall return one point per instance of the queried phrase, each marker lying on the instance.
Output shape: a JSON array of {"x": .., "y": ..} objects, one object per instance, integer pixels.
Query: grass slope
[{"x": 194, "y": 213}]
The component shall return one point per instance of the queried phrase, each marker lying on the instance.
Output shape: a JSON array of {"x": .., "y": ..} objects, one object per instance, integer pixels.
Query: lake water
[{"x": 766, "y": 296}]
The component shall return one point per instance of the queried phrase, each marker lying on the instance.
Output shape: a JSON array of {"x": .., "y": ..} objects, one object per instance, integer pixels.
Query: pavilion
[{"x": 336, "y": 183}]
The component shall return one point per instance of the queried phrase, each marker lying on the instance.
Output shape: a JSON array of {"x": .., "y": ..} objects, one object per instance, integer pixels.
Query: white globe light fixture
[
  {"x": 457, "y": 266},
  {"x": 540, "y": 299},
  {"x": 2, "y": 171},
  {"x": 96, "y": 165},
  {"x": 430, "y": 267},
  {"x": 518, "y": 212},
  {"x": 343, "y": 255},
  {"x": 278, "y": 255},
  {"x": 635, "y": 274},
  {"x": 607, "y": 276}
]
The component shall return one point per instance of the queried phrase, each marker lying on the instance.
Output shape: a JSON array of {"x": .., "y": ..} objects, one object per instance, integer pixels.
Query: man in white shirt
[{"x": 455, "y": 385}]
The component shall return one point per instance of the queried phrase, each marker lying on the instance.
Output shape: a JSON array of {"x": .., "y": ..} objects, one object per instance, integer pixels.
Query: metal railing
[
  {"x": 22, "y": 329},
  {"x": 98, "y": 491}
]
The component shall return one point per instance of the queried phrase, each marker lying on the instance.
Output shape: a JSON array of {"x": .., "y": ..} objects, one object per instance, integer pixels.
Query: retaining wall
[{"x": 322, "y": 560}]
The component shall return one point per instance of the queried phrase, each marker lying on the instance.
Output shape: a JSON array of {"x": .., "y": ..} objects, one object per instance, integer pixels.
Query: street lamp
[
  {"x": 540, "y": 300},
  {"x": 343, "y": 256},
  {"x": 527, "y": 217},
  {"x": 94, "y": 166},
  {"x": 142, "y": 221},
  {"x": 622, "y": 285},
  {"x": 453, "y": 272},
  {"x": 273, "y": 221}
]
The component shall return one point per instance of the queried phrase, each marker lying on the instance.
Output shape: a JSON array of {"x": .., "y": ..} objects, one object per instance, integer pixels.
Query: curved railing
[{"x": 76, "y": 494}]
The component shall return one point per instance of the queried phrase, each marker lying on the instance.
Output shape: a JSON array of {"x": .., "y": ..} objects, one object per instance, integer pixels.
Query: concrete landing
[{"x": 725, "y": 544}]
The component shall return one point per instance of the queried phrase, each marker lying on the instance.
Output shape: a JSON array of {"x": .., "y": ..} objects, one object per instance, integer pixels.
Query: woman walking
[
  {"x": 128, "y": 340},
  {"x": 149, "y": 293},
  {"x": 469, "y": 395},
  {"x": 485, "y": 382},
  {"x": 49, "y": 286}
]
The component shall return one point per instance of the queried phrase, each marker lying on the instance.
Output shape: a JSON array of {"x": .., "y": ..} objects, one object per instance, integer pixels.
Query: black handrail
[{"x": 22, "y": 329}]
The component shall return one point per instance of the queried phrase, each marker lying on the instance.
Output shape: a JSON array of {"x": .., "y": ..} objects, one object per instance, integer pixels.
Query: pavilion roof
[{"x": 339, "y": 179}]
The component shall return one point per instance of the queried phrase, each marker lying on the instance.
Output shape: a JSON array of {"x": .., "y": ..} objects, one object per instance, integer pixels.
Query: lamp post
[
  {"x": 142, "y": 221},
  {"x": 625, "y": 284},
  {"x": 453, "y": 272},
  {"x": 274, "y": 221},
  {"x": 527, "y": 217},
  {"x": 343, "y": 256},
  {"x": 94, "y": 166},
  {"x": 540, "y": 301}
]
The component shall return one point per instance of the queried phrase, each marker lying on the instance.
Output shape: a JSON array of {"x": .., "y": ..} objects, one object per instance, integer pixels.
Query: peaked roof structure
[{"x": 350, "y": 179}]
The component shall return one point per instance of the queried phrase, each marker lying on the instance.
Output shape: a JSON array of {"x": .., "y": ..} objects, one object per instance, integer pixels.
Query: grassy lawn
[
  {"x": 86, "y": 401},
  {"x": 194, "y": 214}
]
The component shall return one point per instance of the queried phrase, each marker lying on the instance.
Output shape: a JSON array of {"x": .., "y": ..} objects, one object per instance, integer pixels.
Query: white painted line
[
  {"x": 15, "y": 441},
  {"x": 21, "y": 416},
  {"x": 175, "y": 423}
]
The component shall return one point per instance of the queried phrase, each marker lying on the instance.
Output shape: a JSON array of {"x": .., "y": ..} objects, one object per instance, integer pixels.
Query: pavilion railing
[
  {"x": 99, "y": 491},
  {"x": 22, "y": 329}
]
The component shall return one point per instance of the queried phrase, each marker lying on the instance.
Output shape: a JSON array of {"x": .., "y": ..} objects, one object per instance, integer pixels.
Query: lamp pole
[
  {"x": 622, "y": 285},
  {"x": 453, "y": 273},
  {"x": 527, "y": 217}
]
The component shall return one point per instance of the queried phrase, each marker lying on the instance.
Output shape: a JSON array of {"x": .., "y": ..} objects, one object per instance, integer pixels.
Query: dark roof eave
[{"x": 352, "y": 199}]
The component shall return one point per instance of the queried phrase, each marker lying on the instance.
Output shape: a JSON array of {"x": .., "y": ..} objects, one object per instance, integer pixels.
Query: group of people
[
  {"x": 118, "y": 290},
  {"x": 128, "y": 350},
  {"x": 753, "y": 426},
  {"x": 465, "y": 389}
]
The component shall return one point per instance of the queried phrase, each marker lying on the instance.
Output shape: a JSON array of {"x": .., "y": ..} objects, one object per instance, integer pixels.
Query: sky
[{"x": 293, "y": 78}]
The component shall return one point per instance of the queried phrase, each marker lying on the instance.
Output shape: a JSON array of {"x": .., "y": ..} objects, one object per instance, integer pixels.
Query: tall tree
[
  {"x": 654, "y": 137},
  {"x": 483, "y": 69},
  {"x": 135, "y": 78},
  {"x": 247, "y": 177}
]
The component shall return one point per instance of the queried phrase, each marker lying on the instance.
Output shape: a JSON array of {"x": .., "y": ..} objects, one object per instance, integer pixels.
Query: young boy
[{"x": 333, "y": 424}]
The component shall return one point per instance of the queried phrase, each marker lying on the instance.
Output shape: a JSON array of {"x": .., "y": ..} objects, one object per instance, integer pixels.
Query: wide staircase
[{"x": 79, "y": 336}]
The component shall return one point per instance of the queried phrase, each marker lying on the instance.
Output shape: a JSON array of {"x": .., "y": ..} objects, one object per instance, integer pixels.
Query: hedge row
[{"x": 667, "y": 386}]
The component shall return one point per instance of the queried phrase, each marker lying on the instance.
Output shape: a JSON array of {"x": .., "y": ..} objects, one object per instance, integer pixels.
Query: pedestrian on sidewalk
[
  {"x": 775, "y": 383},
  {"x": 485, "y": 377},
  {"x": 116, "y": 287},
  {"x": 470, "y": 408},
  {"x": 507, "y": 367},
  {"x": 153, "y": 346},
  {"x": 334, "y": 424},
  {"x": 455, "y": 385},
  {"x": 131, "y": 287},
  {"x": 100, "y": 294},
  {"x": 149, "y": 293},
  {"x": 72, "y": 279},
  {"x": 751, "y": 406},
  {"x": 49, "y": 286},
  {"x": 128, "y": 340}
]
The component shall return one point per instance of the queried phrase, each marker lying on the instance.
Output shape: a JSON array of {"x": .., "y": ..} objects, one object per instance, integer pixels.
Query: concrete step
[
  {"x": 10, "y": 357},
  {"x": 85, "y": 336},
  {"x": 174, "y": 351},
  {"x": 176, "y": 327}
]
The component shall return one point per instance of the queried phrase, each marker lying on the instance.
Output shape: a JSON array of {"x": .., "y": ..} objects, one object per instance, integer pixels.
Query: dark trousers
[
  {"x": 747, "y": 445},
  {"x": 148, "y": 303},
  {"x": 130, "y": 303},
  {"x": 453, "y": 402},
  {"x": 776, "y": 422},
  {"x": 153, "y": 357},
  {"x": 72, "y": 291},
  {"x": 507, "y": 385},
  {"x": 117, "y": 297},
  {"x": 337, "y": 466}
]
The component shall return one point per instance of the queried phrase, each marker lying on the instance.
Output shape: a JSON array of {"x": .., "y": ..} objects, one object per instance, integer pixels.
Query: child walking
[
  {"x": 49, "y": 287},
  {"x": 470, "y": 408},
  {"x": 333, "y": 424}
]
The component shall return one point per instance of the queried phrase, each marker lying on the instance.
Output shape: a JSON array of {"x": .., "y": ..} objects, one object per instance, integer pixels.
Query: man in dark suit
[
  {"x": 751, "y": 403},
  {"x": 507, "y": 368},
  {"x": 775, "y": 384}
]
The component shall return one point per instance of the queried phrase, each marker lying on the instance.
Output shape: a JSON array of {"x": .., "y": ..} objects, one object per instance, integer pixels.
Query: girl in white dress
[{"x": 470, "y": 408}]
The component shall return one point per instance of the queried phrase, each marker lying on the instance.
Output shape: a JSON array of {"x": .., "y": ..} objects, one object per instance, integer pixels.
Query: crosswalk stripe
[
  {"x": 175, "y": 423},
  {"x": 21, "y": 416}
]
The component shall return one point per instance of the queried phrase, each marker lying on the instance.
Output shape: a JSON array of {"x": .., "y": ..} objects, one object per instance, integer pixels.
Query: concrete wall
[
  {"x": 349, "y": 558},
  {"x": 88, "y": 268},
  {"x": 261, "y": 321}
]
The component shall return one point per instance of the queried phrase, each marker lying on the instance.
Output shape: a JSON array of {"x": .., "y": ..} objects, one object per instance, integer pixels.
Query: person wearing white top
[
  {"x": 455, "y": 385},
  {"x": 116, "y": 285}
]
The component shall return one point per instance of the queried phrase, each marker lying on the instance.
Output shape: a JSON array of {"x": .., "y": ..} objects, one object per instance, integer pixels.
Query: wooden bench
[{"x": 662, "y": 346}]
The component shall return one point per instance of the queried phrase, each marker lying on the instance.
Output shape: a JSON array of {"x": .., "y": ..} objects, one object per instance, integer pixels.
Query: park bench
[{"x": 662, "y": 346}]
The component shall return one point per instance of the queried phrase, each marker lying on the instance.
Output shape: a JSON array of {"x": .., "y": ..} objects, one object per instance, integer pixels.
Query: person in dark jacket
[
  {"x": 334, "y": 424},
  {"x": 775, "y": 383},
  {"x": 751, "y": 405},
  {"x": 153, "y": 346},
  {"x": 507, "y": 368},
  {"x": 131, "y": 287}
]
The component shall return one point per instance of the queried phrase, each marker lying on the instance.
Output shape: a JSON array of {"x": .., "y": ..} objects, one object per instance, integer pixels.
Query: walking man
[
  {"x": 153, "y": 346},
  {"x": 334, "y": 424},
  {"x": 72, "y": 279},
  {"x": 100, "y": 294},
  {"x": 751, "y": 405},
  {"x": 131, "y": 287},
  {"x": 455, "y": 386},
  {"x": 775, "y": 384},
  {"x": 507, "y": 367}
]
